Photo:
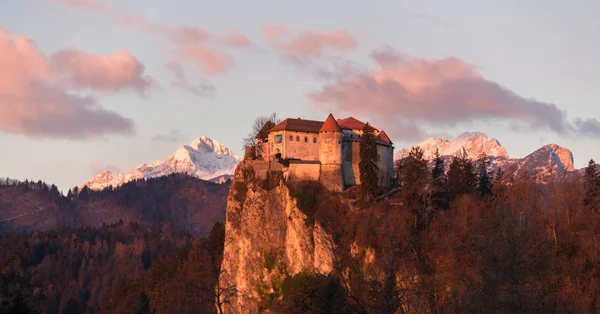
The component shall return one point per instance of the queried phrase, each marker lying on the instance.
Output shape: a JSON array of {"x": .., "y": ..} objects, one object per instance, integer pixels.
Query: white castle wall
[{"x": 299, "y": 145}]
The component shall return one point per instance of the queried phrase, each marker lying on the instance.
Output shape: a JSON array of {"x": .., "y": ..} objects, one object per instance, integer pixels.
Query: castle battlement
[{"x": 328, "y": 151}]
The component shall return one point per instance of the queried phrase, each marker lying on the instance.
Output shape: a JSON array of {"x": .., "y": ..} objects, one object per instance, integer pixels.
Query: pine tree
[
  {"x": 497, "y": 183},
  {"x": 438, "y": 183},
  {"x": 414, "y": 178},
  {"x": 462, "y": 178},
  {"x": 437, "y": 173},
  {"x": 592, "y": 186},
  {"x": 484, "y": 183},
  {"x": 368, "y": 162},
  {"x": 414, "y": 184}
]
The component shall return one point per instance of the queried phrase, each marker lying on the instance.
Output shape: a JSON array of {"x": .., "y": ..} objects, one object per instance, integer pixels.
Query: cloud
[
  {"x": 93, "y": 5},
  {"x": 335, "y": 68},
  {"x": 114, "y": 72},
  {"x": 313, "y": 53},
  {"x": 35, "y": 104},
  {"x": 442, "y": 92},
  {"x": 202, "y": 89},
  {"x": 306, "y": 43},
  {"x": 386, "y": 56},
  {"x": 589, "y": 126},
  {"x": 174, "y": 136},
  {"x": 190, "y": 44},
  {"x": 186, "y": 44}
]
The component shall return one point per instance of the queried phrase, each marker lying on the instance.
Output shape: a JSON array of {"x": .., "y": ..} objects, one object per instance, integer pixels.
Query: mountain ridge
[
  {"x": 203, "y": 158},
  {"x": 544, "y": 162}
]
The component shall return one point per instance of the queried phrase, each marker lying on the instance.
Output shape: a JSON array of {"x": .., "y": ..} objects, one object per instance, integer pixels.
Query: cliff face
[{"x": 267, "y": 237}]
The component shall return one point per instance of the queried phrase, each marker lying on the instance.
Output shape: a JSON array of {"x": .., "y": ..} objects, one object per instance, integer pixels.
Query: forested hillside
[
  {"x": 188, "y": 203},
  {"x": 89, "y": 270}
]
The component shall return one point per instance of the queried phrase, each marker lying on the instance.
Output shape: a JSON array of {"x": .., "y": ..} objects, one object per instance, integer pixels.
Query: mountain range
[
  {"x": 204, "y": 158},
  {"x": 544, "y": 163},
  {"x": 208, "y": 159}
]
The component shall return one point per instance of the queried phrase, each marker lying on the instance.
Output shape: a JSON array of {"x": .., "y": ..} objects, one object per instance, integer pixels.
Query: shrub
[
  {"x": 272, "y": 180},
  {"x": 240, "y": 189},
  {"x": 313, "y": 293},
  {"x": 248, "y": 174},
  {"x": 306, "y": 194},
  {"x": 269, "y": 260}
]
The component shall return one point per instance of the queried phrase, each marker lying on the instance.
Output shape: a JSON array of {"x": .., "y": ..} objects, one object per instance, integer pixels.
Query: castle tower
[{"x": 330, "y": 154}]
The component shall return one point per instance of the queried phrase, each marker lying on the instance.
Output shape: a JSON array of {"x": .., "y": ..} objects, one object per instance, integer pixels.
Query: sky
[{"x": 91, "y": 85}]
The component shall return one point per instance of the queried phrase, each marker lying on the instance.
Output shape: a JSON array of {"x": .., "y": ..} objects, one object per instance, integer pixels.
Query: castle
[{"x": 327, "y": 151}]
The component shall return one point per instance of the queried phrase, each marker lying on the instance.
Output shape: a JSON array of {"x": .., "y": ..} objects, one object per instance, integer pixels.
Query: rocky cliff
[
  {"x": 267, "y": 238},
  {"x": 282, "y": 234}
]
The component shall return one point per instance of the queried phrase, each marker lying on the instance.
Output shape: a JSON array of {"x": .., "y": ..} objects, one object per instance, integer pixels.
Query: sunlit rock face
[{"x": 266, "y": 238}]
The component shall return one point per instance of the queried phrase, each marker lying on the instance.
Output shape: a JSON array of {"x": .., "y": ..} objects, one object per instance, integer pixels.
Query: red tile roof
[
  {"x": 351, "y": 123},
  {"x": 312, "y": 126},
  {"x": 384, "y": 138},
  {"x": 298, "y": 125},
  {"x": 264, "y": 131},
  {"x": 330, "y": 125}
]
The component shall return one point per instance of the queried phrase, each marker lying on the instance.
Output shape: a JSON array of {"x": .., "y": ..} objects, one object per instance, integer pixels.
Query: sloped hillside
[{"x": 187, "y": 202}]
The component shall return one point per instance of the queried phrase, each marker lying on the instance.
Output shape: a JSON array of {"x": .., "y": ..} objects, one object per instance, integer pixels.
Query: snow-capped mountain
[
  {"x": 204, "y": 158},
  {"x": 543, "y": 163},
  {"x": 469, "y": 144}
]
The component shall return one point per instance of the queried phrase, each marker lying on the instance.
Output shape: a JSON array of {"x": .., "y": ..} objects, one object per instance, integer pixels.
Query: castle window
[
  {"x": 291, "y": 138},
  {"x": 278, "y": 138},
  {"x": 297, "y": 138},
  {"x": 315, "y": 140},
  {"x": 306, "y": 139}
]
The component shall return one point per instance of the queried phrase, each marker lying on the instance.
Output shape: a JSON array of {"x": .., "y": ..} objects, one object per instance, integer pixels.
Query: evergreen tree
[
  {"x": 484, "y": 183},
  {"x": 142, "y": 305},
  {"x": 438, "y": 183},
  {"x": 414, "y": 178},
  {"x": 437, "y": 173},
  {"x": 462, "y": 178},
  {"x": 592, "y": 186},
  {"x": 497, "y": 184},
  {"x": 368, "y": 162}
]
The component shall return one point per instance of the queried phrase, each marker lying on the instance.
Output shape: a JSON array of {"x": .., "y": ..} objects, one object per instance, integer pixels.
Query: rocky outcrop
[{"x": 267, "y": 238}]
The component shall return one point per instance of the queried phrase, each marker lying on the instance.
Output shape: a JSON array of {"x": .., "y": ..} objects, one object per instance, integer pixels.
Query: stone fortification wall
[
  {"x": 304, "y": 171},
  {"x": 332, "y": 177},
  {"x": 351, "y": 158},
  {"x": 261, "y": 167},
  {"x": 386, "y": 164}
]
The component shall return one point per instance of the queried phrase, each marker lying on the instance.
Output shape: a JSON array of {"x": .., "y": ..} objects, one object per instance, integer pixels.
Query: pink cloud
[
  {"x": 236, "y": 39},
  {"x": 201, "y": 89},
  {"x": 113, "y": 72},
  {"x": 207, "y": 60},
  {"x": 436, "y": 92},
  {"x": 93, "y": 5},
  {"x": 308, "y": 43},
  {"x": 186, "y": 44},
  {"x": 35, "y": 104},
  {"x": 190, "y": 44}
]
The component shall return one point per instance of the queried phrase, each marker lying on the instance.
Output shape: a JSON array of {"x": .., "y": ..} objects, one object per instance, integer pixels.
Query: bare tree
[{"x": 259, "y": 130}]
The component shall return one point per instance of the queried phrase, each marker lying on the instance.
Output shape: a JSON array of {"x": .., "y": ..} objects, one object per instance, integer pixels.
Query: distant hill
[{"x": 189, "y": 203}]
